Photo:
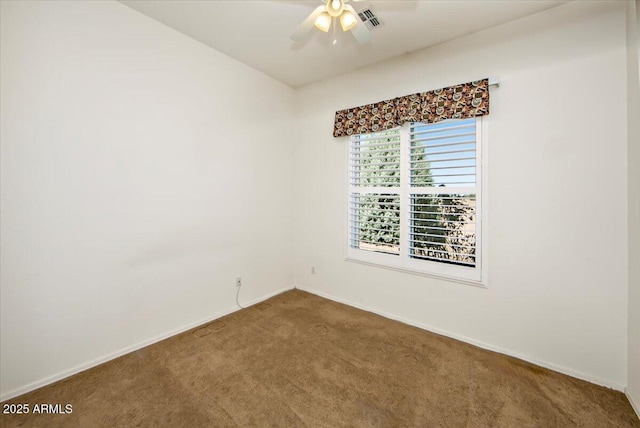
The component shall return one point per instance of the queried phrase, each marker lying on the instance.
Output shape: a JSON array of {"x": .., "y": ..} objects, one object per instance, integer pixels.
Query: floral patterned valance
[{"x": 455, "y": 102}]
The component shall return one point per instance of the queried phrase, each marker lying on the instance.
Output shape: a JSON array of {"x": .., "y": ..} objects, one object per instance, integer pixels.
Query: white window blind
[
  {"x": 375, "y": 207},
  {"x": 415, "y": 199},
  {"x": 442, "y": 206}
]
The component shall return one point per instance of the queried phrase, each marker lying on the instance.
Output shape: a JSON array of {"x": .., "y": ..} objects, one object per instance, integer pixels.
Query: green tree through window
[{"x": 378, "y": 214}]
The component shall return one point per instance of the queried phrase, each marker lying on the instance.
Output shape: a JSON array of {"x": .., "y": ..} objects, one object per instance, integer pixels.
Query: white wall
[
  {"x": 633, "y": 102},
  {"x": 141, "y": 173},
  {"x": 557, "y": 192}
]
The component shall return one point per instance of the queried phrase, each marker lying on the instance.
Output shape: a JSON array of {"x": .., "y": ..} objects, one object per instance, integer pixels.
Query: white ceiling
[{"x": 256, "y": 32}]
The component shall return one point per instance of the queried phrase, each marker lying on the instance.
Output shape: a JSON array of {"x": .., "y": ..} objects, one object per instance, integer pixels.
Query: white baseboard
[
  {"x": 82, "y": 367},
  {"x": 480, "y": 344},
  {"x": 634, "y": 403}
]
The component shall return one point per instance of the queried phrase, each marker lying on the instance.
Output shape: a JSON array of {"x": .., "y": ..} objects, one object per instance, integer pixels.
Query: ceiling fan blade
[
  {"x": 360, "y": 31},
  {"x": 307, "y": 24}
]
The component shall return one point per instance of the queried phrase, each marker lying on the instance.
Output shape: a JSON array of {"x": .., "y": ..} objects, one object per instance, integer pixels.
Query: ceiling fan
[{"x": 328, "y": 15}]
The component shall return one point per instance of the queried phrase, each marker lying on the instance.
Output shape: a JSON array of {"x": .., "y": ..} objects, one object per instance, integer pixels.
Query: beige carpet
[{"x": 301, "y": 360}]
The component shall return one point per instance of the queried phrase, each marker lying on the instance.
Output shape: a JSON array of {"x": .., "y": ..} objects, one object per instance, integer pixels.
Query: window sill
[{"x": 479, "y": 284}]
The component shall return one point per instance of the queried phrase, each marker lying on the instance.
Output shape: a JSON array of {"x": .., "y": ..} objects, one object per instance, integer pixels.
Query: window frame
[{"x": 477, "y": 275}]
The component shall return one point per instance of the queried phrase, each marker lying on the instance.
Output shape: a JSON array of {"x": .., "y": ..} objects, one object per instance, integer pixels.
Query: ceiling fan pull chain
[{"x": 335, "y": 38}]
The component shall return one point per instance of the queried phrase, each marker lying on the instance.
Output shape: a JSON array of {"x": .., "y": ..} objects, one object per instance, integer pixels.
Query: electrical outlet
[
  {"x": 313, "y": 270},
  {"x": 238, "y": 281}
]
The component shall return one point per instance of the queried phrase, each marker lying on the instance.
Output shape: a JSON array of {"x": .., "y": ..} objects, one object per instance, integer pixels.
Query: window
[{"x": 415, "y": 199}]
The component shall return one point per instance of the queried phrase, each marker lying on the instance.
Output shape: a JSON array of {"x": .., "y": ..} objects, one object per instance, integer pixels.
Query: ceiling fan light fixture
[
  {"x": 347, "y": 20},
  {"x": 323, "y": 22},
  {"x": 335, "y": 8}
]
